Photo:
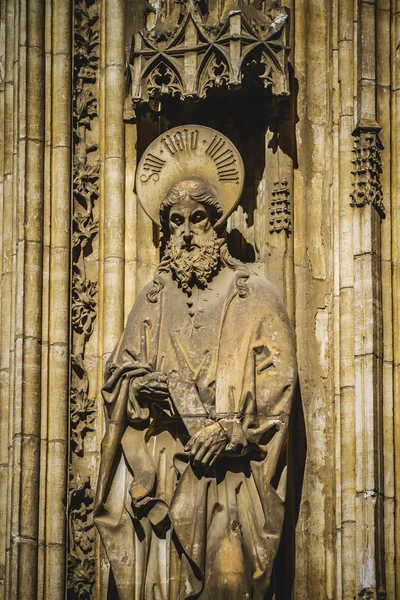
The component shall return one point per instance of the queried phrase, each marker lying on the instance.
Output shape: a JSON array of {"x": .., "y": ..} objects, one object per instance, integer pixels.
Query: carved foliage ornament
[
  {"x": 81, "y": 539},
  {"x": 202, "y": 50}
]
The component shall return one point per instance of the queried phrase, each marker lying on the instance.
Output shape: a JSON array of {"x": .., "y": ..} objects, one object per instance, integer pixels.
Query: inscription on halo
[
  {"x": 181, "y": 141},
  {"x": 154, "y": 164},
  {"x": 224, "y": 159},
  {"x": 177, "y": 155}
]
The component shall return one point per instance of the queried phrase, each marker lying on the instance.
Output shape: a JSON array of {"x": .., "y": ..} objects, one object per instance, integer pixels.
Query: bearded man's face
[{"x": 193, "y": 248}]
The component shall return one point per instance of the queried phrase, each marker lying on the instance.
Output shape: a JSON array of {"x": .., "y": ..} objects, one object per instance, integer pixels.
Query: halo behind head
[{"x": 192, "y": 152}]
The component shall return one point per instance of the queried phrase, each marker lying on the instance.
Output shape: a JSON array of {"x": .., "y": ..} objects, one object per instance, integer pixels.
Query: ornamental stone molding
[
  {"x": 367, "y": 169},
  {"x": 279, "y": 210},
  {"x": 203, "y": 48},
  {"x": 85, "y": 226}
]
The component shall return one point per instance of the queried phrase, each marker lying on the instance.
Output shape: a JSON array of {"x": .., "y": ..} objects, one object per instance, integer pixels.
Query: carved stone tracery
[
  {"x": 367, "y": 169},
  {"x": 279, "y": 211},
  {"x": 81, "y": 542},
  {"x": 207, "y": 50}
]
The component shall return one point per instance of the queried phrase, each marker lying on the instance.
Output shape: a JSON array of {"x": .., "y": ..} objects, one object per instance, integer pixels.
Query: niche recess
[{"x": 223, "y": 65}]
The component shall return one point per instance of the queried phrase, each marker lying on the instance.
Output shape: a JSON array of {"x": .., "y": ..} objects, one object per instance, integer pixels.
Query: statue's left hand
[
  {"x": 206, "y": 445},
  {"x": 152, "y": 386}
]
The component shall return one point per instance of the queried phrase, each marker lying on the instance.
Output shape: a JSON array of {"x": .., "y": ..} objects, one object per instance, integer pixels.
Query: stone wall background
[{"x": 77, "y": 247}]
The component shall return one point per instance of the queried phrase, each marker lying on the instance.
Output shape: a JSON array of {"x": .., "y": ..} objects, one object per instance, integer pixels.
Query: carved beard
[{"x": 197, "y": 265}]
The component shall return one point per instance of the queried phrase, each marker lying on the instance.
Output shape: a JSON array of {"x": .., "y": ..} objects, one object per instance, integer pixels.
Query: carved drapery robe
[{"x": 172, "y": 530}]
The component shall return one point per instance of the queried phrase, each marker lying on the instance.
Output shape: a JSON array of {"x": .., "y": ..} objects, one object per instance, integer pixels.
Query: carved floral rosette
[{"x": 81, "y": 534}]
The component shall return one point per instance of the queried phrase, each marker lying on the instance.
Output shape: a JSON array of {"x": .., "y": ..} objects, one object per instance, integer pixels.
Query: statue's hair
[{"x": 205, "y": 194}]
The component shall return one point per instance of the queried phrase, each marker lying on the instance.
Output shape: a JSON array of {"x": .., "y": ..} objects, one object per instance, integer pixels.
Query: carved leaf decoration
[
  {"x": 86, "y": 58},
  {"x": 81, "y": 570},
  {"x": 267, "y": 76},
  {"x": 79, "y": 368},
  {"x": 82, "y": 415},
  {"x": 85, "y": 107},
  {"x": 81, "y": 500},
  {"x": 84, "y": 230},
  {"x": 86, "y": 172},
  {"x": 84, "y": 303},
  {"x": 81, "y": 576}
]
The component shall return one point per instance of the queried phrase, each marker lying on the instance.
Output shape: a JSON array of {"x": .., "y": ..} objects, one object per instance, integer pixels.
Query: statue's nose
[
  {"x": 187, "y": 235},
  {"x": 187, "y": 238}
]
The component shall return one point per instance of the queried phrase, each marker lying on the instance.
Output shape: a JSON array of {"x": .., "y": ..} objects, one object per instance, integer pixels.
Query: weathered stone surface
[{"x": 77, "y": 248}]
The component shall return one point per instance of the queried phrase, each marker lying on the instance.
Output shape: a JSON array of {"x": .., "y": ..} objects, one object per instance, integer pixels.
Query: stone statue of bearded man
[{"x": 191, "y": 490}]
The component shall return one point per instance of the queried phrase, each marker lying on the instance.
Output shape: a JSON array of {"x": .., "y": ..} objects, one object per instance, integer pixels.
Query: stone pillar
[
  {"x": 395, "y": 265},
  {"x": 24, "y": 229},
  {"x": 368, "y": 211},
  {"x": 114, "y": 176},
  {"x": 312, "y": 227},
  {"x": 7, "y": 148},
  {"x": 59, "y": 303},
  {"x": 384, "y": 117},
  {"x": 344, "y": 301},
  {"x": 30, "y": 231},
  {"x": 36, "y": 70}
]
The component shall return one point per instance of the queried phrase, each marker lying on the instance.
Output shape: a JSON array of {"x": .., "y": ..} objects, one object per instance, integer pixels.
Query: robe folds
[{"x": 172, "y": 530}]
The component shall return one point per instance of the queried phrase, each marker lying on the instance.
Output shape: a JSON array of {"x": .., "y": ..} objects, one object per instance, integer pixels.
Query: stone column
[
  {"x": 7, "y": 148},
  {"x": 47, "y": 226},
  {"x": 395, "y": 260},
  {"x": 131, "y": 209},
  {"x": 112, "y": 225},
  {"x": 315, "y": 540},
  {"x": 24, "y": 225},
  {"x": 31, "y": 80},
  {"x": 114, "y": 176},
  {"x": 59, "y": 307},
  {"x": 368, "y": 210},
  {"x": 384, "y": 117},
  {"x": 344, "y": 342},
  {"x": 383, "y": 59}
]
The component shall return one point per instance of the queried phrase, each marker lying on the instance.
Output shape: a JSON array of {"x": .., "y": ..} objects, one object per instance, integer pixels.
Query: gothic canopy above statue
[{"x": 190, "y": 46}]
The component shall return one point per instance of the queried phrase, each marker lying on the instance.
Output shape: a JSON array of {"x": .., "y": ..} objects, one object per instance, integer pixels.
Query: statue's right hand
[{"x": 152, "y": 386}]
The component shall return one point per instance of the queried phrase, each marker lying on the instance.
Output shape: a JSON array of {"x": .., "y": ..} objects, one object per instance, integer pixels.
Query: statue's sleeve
[
  {"x": 257, "y": 373},
  {"x": 134, "y": 353}
]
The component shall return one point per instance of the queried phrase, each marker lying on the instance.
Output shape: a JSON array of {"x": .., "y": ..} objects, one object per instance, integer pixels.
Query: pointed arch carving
[{"x": 200, "y": 53}]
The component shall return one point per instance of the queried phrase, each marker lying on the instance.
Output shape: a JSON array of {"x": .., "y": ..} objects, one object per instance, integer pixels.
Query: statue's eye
[
  {"x": 176, "y": 219},
  {"x": 198, "y": 216}
]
